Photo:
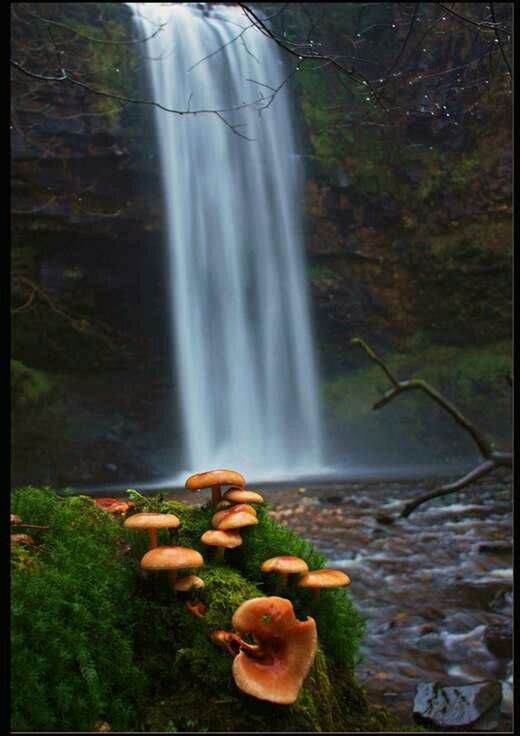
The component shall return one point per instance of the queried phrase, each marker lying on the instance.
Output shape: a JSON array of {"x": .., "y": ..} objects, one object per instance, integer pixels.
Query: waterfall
[{"x": 234, "y": 210}]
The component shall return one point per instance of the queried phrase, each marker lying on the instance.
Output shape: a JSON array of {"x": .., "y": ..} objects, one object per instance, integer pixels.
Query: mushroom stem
[
  {"x": 219, "y": 554},
  {"x": 315, "y": 594},
  {"x": 216, "y": 495},
  {"x": 152, "y": 537},
  {"x": 282, "y": 580},
  {"x": 172, "y": 578},
  {"x": 252, "y": 650}
]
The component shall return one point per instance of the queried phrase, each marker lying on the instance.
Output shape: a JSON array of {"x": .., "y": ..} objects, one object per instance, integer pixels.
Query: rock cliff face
[{"x": 386, "y": 264}]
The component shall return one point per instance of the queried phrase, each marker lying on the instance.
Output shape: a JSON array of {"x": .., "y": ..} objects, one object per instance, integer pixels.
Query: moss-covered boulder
[{"x": 94, "y": 638}]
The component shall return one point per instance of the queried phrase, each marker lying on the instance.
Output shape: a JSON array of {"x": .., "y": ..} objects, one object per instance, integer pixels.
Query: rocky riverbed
[{"x": 436, "y": 588}]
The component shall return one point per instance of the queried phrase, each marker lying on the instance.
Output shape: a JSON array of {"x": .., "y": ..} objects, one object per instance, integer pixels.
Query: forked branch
[{"x": 491, "y": 458}]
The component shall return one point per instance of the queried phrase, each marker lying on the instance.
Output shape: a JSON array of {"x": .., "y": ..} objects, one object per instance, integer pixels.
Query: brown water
[{"x": 427, "y": 586}]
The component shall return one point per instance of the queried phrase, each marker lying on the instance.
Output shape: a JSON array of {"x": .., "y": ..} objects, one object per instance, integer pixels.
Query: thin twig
[{"x": 492, "y": 459}]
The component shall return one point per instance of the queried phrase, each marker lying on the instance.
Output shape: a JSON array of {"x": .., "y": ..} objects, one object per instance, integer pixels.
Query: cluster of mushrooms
[{"x": 274, "y": 667}]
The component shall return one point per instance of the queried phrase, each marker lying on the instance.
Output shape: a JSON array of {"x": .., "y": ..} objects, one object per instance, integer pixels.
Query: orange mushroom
[
  {"x": 171, "y": 559},
  {"x": 223, "y": 513},
  {"x": 324, "y": 578},
  {"x": 197, "y": 609},
  {"x": 275, "y": 667},
  {"x": 239, "y": 495},
  {"x": 222, "y": 540},
  {"x": 113, "y": 505},
  {"x": 21, "y": 539},
  {"x": 285, "y": 565},
  {"x": 214, "y": 479},
  {"x": 15, "y": 519},
  {"x": 233, "y": 518},
  {"x": 152, "y": 522}
]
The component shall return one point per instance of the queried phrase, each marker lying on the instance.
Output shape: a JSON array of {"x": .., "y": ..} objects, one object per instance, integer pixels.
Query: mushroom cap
[
  {"x": 21, "y": 539},
  {"x": 188, "y": 582},
  {"x": 240, "y": 496},
  {"x": 285, "y": 564},
  {"x": 325, "y": 578},
  {"x": 15, "y": 519},
  {"x": 287, "y": 648},
  {"x": 217, "y": 518},
  {"x": 221, "y": 538},
  {"x": 223, "y": 505},
  {"x": 197, "y": 609},
  {"x": 235, "y": 520},
  {"x": 152, "y": 521},
  {"x": 113, "y": 505},
  {"x": 171, "y": 558},
  {"x": 214, "y": 478}
]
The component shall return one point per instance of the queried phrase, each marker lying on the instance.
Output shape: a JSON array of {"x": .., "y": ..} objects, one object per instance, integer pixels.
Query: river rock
[
  {"x": 499, "y": 640},
  {"x": 475, "y": 706}
]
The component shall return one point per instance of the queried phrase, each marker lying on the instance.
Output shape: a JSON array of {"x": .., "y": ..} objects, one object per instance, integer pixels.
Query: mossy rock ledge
[{"x": 113, "y": 644}]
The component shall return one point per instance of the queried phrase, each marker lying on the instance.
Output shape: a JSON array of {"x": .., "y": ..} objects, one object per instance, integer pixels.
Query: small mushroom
[
  {"x": 113, "y": 505},
  {"x": 238, "y": 495},
  {"x": 189, "y": 582},
  {"x": 231, "y": 642},
  {"x": 171, "y": 559},
  {"x": 275, "y": 667},
  {"x": 217, "y": 518},
  {"x": 214, "y": 479},
  {"x": 152, "y": 522},
  {"x": 222, "y": 540},
  {"x": 285, "y": 565},
  {"x": 197, "y": 609},
  {"x": 21, "y": 539},
  {"x": 325, "y": 578},
  {"x": 235, "y": 520},
  {"x": 15, "y": 519}
]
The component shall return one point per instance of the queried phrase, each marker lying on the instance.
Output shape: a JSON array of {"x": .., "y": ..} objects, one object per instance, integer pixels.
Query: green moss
[
  {"x": 28, "y": 386},
  {"x": 113, "y": 644},
  {"x": 71, "y": 640}
]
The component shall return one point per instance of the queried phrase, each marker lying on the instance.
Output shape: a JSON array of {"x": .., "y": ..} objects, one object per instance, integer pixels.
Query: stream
[{"x": 436, "y": 588}]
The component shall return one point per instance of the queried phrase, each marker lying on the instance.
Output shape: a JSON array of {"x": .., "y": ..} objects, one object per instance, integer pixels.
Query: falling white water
[{"x": 242, "y": 337}]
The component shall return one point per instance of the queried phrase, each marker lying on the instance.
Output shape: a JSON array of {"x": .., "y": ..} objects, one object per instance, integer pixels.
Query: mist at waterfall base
[{"x": 241, "y": 333}]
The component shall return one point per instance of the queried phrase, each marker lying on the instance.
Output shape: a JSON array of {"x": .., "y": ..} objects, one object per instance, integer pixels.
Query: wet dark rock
[
  {"x": 475, "y": 706},
  {"x": 492, "y": 548},
  {"x": 500, "y": 599},
  {"x": 385, "y": 519},
  {"x": 499, "y": 640},
  {"x": 427, "y": 629},
  {"x": 334, "y": 499}
]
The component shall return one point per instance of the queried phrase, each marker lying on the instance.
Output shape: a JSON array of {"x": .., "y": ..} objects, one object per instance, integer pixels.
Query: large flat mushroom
[
  {"x": 171, "y": 559},
  {"x": 214, "y": 479},
  {"x": 275, "y": 667},
  {"x": 152, "y": 522}
]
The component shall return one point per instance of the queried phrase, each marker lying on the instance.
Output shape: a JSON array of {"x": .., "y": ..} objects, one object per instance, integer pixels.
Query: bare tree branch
[
  {"x": 492, "y": 458},
  {"x": 96, "y": 40}
]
